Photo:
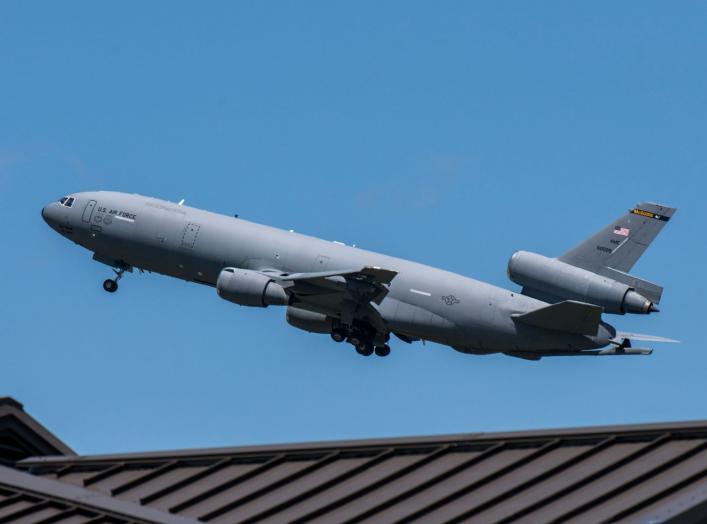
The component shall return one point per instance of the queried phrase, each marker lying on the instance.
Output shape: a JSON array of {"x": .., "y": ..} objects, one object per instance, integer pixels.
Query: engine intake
[
  {"x": 249, "y": 288},
  {"x": 549, "y": 276}
]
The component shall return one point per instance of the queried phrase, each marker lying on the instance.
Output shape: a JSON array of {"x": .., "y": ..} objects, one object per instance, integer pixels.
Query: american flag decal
[{"x": 623, "y": 231}]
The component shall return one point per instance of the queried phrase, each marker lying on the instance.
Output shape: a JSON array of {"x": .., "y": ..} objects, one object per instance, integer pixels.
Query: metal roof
[
  {"x": 21, "y": 436},
  {"x": 636, "y": 473},
  {"x": 26, "y": 498}
]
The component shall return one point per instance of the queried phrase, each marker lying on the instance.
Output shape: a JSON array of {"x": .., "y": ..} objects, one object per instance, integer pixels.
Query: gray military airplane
[{"x": 362, "y": 297}]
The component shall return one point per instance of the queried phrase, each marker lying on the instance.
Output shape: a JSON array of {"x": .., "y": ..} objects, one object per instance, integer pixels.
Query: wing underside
[{"x": 345, "y": 294}]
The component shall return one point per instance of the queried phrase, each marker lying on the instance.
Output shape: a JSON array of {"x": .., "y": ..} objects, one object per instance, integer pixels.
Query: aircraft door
[
  {"x": 191, "y": 231},
  {"x": 88, "y": 211},
  {"x": 190, "y": 266}
]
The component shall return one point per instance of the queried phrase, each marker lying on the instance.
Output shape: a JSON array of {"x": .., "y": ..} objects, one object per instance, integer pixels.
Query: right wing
[
  {"x": 357, "y": 284},
  {"x": 345, "y": 294}
]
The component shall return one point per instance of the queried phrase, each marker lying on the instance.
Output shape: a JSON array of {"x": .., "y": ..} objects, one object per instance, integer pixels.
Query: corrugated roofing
[
  {"x": 28, "y": 499},
  {"x": 638, "y": 473},
  {"x": 21, "y": 436}
]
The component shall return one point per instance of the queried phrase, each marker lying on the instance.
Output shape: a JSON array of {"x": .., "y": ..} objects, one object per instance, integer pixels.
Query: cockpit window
[
  {"x": 67, "y": 201},
  {"x": 63, "y": 200}
]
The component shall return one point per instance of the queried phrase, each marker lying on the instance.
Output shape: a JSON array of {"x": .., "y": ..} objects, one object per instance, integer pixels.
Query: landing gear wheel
[
  {"x": 383, "y": 351},
  {"x": 338, "y": 336},
  {"x": 365, "y": 349},
  {"x": 110, "y": 285}
]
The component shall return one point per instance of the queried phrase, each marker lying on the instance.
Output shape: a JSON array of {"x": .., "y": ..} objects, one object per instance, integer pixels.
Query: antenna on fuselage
[{"x": 181, "y": 202}]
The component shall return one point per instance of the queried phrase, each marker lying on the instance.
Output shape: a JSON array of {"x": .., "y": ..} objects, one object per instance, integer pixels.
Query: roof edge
[
  {"x": 13, "y": 415},
  {"x": 627, "y": 430}
]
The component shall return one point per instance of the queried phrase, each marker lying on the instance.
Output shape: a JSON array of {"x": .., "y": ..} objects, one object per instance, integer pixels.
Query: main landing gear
[
  {"x": 362, "y": 342},
  {"x": 111, "y": 285}
]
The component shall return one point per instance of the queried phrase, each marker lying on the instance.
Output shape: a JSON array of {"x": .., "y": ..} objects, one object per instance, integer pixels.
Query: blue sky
[{"x": 449, "y": 133}]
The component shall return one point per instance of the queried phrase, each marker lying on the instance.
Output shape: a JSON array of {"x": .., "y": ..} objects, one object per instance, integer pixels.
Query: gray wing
[{"x": 344, "y": 294}]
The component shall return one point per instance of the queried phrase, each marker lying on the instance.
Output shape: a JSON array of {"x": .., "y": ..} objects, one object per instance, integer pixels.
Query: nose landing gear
[{"x": 111, "y": 285}]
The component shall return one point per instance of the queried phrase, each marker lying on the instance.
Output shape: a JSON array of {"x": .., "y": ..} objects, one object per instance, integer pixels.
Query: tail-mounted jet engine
[
  {"x": 548, "y": 278},
  {"x": 250, "y": 288}
]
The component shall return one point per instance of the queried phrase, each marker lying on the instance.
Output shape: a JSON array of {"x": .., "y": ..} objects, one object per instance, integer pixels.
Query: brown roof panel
[
  {"x": 620, "y": 473},
  {"x": 26, "y": 498},
  {"x": 21, "y": 436}
]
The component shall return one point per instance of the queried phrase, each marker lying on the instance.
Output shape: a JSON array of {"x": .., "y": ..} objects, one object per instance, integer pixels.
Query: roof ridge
[{"x": 25, "y": 435}]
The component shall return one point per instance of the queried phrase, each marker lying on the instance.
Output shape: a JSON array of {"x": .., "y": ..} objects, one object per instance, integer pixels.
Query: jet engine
[
  {"x": 544, "y": 277},
  {"x": 309, "y": 321},
  {"x": 249, "y": 288}
]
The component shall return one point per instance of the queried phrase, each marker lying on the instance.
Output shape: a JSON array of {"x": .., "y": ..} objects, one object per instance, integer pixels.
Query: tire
[
  {"x": 383, "y": 351},
  {"x": 338, "y": 336},
  {"x": 365, "y": 349},
  {"x": 110, "y": 285}
]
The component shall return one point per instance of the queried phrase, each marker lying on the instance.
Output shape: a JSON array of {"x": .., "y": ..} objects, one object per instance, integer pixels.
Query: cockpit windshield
[{"x": 67, "y": 201}]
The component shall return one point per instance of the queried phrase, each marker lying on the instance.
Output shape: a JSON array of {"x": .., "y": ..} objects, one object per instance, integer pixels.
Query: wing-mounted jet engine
[
  {"x": 250, "y": 288},
  {"x": 595, "y": 271},
  {"x": 336, "y": 302}
]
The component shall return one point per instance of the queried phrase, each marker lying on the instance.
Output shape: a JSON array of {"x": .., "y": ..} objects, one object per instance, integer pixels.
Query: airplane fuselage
[{"x": 423, "y": 302}]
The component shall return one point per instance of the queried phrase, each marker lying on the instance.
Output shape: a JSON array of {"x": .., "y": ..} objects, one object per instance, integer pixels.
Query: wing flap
[
  {"x": 568, "y": 316},
  {"x": 378, "y": 274}
]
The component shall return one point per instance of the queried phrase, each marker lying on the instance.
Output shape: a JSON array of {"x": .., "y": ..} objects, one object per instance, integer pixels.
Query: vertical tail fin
[{"x": 620, "y": 244}]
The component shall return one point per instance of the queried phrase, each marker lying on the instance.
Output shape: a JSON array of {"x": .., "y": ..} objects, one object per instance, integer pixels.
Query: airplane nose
[
  {"x": 50, "y": 214},
  {"x": 44, "y": 214}
]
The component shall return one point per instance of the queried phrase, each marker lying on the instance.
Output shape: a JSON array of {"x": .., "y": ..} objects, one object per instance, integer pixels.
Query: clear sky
[{"x": 450, "y": 133}]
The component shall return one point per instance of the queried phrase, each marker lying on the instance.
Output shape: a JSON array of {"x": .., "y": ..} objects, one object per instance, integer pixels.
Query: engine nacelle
[
  {"x": 559, "y": 279},
  {"x": 249, "y": 288},
  {"x": 309, "y": 321}
]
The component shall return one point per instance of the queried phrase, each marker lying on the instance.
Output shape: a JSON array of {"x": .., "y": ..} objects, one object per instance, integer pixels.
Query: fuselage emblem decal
[{"x": 450, "y": 300}]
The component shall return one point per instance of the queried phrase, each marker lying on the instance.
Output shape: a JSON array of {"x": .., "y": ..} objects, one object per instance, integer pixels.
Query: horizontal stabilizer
[
  {"x": 645, "y": 338},
  {"x": 651, "y": 291},
  {"x": 624, "y": 351},
  {"x": 569, "y": 316}
]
